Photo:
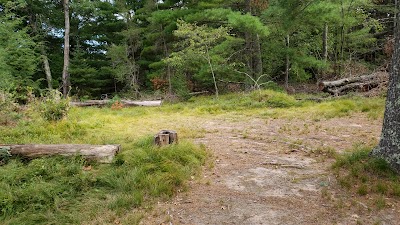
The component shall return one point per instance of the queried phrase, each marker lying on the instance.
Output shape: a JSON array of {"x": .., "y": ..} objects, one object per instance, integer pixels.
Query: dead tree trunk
[
  {"x": 287, "y": 69},
  {"x": 100, "y": 153},
  {"x": 65, "y": 73},
  {"x": 47, "y": 70},
  {"x": 325, "y": 43}
]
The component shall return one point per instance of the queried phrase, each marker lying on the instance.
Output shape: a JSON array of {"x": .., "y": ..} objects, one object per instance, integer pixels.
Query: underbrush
[
  {"x": 236, "y": 102},
  {"x": 9, "y": 110},
  {"x": 60, "y": 190},
  {"x": 367, "y": 176}
]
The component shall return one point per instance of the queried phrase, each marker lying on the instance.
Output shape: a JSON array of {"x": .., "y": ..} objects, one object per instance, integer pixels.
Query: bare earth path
[{"x": 275, "y": 172}]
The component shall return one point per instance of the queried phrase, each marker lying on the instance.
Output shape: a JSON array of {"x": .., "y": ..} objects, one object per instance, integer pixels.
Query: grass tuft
[
  {"x": 58, "y": 190},
  {"x": 365, "y": 175}
]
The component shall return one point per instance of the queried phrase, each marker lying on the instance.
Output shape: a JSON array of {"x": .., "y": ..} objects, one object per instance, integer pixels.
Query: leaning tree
[{"x": 389, "y": 145}]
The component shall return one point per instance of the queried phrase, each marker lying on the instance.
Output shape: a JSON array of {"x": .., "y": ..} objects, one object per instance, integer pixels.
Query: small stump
[{"x": 166, "y": 137}]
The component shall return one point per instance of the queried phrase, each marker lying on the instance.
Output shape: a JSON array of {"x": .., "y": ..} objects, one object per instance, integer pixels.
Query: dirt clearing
[{"x": 275, "y": 171}]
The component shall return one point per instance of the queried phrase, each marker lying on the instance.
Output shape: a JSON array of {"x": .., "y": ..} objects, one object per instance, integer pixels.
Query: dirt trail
[{"x": 274, "y": 172}]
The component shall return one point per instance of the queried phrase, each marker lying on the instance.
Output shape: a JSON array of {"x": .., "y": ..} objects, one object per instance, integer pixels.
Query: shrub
[
  {"x": 8, "y": 108},
  {"x": 53, "y": 107},
  {"x": 4, "y": 155},
  {"x": 117, "y": 105}
]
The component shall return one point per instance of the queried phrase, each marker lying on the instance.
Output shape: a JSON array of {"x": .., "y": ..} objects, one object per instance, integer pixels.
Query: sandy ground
[{"x": 275, "y": 171}]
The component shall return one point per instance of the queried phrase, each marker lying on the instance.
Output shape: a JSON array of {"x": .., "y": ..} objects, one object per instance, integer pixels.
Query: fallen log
[
  {"x": 362, "y": 83},
  {"x": 90, "y": 103},
  {"x": 141, "y": 103},
  {"x": 99, "y": 153},
  {"x": 124, "y": 102},
  {"x": 364, "y": 87}
]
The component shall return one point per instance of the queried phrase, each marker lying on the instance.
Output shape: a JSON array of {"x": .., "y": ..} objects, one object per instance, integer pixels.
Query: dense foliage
[{"x": 177, "y": 47}]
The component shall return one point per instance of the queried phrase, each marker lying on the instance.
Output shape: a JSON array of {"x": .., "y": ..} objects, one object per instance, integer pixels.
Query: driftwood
[
  {"x": 165, "y": 137},
  {"x": 100, "y": 153},
  {"x": 361, "y": 83},
  {"x": 124, "y": 102}
]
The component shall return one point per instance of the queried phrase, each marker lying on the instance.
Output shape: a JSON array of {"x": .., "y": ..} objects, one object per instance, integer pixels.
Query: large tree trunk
[
  {"x": 389, "y": 145},
  {"x": 65, "y": 74},
  {"x": 100, "y": 153}
]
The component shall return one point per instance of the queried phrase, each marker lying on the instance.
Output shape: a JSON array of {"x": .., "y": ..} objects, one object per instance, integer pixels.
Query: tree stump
[{"x": 166, "y": 137}]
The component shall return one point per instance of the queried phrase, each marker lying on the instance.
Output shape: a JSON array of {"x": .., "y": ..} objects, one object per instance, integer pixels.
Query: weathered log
[
  {"x": 166, "y": 137},
  {"x": 124, "y": 102},
  {"x": 362, "y": 83},
  {"x": 141, "y": 103},
  {"x": 353, "y": 87},
  {"x": 100, "y": 153},
  {"x": 337, "y": 83}
]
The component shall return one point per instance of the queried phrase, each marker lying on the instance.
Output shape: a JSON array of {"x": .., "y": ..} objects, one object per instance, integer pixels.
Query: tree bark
[
  {"x": 259, "y": 63},
  {"x": 361, "y": 83},
  {"x": 212, "y": 72},
  {"x": 100, "y": 153},
  {"x": 323, "y": 85},
  {"x": 166, "y": 54},
  {"x": 325, "y": 43},
  {"x": 287, "y": 63},
  {"x": 250, "y": 53},
  {"x": 47, "y": 70},
  {"x": 65, "y": 74},
  {"x": 389, "y": 144},
  {"x": 342, "y": 33}
]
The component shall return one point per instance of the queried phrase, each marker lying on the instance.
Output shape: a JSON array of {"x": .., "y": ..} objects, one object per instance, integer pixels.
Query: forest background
[{"x": 177, "y": 47}]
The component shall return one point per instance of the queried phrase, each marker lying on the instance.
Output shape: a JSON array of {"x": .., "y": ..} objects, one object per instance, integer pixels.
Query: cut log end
[{"x": 166, "y": 137}]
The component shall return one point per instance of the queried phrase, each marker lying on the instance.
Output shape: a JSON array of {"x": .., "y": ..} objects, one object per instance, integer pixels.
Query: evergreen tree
[{"x": 18, "y": 60}]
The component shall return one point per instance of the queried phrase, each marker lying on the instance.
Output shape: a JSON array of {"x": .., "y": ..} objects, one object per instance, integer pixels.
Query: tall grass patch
[
  {"x": 235, "y": 102},
  {"x": 365, "y": 175},
  {"x": 58, "y": 190},
  {"x": 333, "y": 108}
]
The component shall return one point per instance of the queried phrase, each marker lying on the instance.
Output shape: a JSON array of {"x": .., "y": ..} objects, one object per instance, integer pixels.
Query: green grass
[
  {"x": 365, "y": 175},
  {"x": 57, "y": 190},
  {"x": 268, "y": 103}
]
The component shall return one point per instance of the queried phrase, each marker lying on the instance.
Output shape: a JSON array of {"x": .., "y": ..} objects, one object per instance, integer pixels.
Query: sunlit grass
[{"x": 58, "y": 191}]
